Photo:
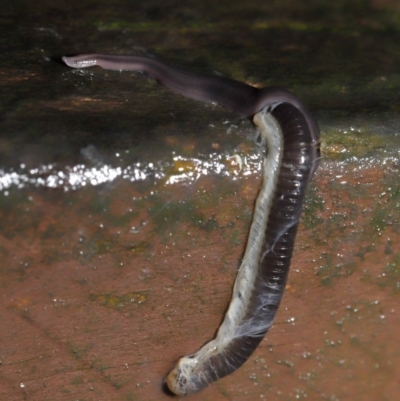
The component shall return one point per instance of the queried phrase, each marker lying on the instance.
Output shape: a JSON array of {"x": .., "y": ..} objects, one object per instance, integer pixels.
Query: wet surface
[{"x": 125, "y": 207}]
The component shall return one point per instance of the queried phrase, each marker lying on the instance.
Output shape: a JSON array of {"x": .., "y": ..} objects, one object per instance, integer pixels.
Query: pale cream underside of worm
[{"x": 232, "y": 326}]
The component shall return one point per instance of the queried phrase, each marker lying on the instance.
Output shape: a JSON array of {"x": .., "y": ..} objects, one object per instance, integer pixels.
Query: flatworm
[{"x": 291, "y": 135}]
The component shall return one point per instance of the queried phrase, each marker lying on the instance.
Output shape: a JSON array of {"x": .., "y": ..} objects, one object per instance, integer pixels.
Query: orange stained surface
[{"x": 104, "y": 288}]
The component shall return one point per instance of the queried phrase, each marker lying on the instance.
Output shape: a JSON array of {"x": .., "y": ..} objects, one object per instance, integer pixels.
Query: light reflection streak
[{"x": 81, "y": 175}]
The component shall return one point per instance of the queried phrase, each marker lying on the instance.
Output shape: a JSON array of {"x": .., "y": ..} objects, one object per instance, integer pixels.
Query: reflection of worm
[{"x": 292, "y": 138}]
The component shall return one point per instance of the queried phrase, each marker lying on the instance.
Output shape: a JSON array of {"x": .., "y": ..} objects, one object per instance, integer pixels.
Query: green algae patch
[
  {"x": 77, "y": 380},
  {"x": 390, "y": 276},
  {"x": 116, "y": 301},
  {"x": 341, "y": 145},
  {"x": 331, "y": 269},
  {"x": 169, "y": 215},
  {"x": 313, "y": 205},
  {"x": 76, "y": 351}
]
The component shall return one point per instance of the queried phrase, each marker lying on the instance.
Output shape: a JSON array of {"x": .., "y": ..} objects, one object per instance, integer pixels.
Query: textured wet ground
[{"x": 125, "y": 207}]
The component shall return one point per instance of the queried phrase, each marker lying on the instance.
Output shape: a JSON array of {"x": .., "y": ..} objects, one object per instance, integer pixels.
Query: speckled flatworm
[{"x": 292, "y": 139}]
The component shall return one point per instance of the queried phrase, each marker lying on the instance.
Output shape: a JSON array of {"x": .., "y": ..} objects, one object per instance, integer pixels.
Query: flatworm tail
[{"x": 291, "y": 135}]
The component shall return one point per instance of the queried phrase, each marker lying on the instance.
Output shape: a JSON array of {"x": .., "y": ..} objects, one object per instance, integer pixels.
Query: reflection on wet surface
[{"x": 178, "y": 170}]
